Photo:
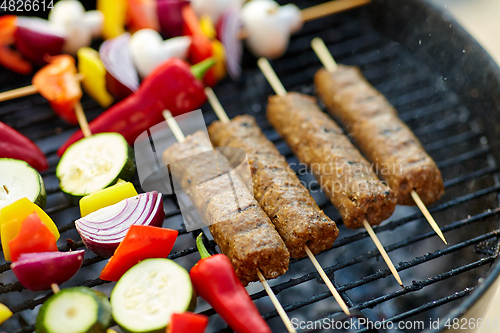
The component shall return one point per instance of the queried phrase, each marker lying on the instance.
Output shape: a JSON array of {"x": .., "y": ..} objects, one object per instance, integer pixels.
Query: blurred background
[{"x": 481, "y": 18}]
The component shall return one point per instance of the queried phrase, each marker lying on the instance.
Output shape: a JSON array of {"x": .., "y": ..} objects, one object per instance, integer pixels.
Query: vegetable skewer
[
  {"x": 179, "y": 135},
  {"x": 280, "y": 90},
  {"x": 331, "y": 66},
  {"x": 25, "y": 91},
  {"x": 221, "y": 113}
]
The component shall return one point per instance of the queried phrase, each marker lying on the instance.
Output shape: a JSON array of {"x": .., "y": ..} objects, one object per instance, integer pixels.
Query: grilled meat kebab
[
  {"x": 277, "y": 189},
  {"x": 343, "y": 173},
  {"x": 240, "y": 227},
  {"x": 381, "y": 136}
]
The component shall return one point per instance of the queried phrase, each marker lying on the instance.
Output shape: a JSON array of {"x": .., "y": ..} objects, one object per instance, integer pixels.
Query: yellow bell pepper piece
[
  {"x": 5, "y": 313},
  {"x": 114, "y": 12},
  {"x": 13, "y": 215},
  {"x": 106, "y": 197},
  {"x": 207, "y": 27},
  {"x": 219, "y": 53},
  {"x": 94, "y": 76}
]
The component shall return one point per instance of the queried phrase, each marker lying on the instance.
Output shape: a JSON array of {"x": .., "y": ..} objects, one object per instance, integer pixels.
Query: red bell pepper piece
[
  {"x": 34, "y": 236},
  {"x": 172, "y": 86},
  {"x": 141, "y": 242},
  {"x": 214, "y": 279},
  {"x": 201, "y": 46},
  {"x": 187, "y": 322},
  {"x": 56, "y": 82},
  {"x": 9, "y": 58},
  {"x": 15, "y": 145},
  {"x": 142, "y": 14}
]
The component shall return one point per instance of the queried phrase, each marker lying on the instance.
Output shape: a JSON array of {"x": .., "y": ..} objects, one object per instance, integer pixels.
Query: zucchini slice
[
  {"x": 94, "y": 163},
  {"x": 19, "y": 180},
  {"x": 74, "y": 310},
  {"x": 145, "y": 297}
]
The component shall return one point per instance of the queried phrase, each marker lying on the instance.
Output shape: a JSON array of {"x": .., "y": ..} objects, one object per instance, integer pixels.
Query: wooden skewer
[
  {"x": 428, "y": 215},
  {"x": 280, "y": 90},
  {"x": 82, "y": 120},
  {"x": 222, "y": 115},
  {"x": 329, "y": 8},
  {"x": 25, "y": 91},
  {"x": 382, "y": 251},
  {"x": 329, "y": 63},
  {"x": 321, "y": 10},
  {"x": 176, "y": 130}
]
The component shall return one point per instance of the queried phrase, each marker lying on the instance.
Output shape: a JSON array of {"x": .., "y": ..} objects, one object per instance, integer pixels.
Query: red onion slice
[
  {"x": 37, "y": 271},
  {"x": 36, "y": 39},
  {"x": 103, "y": 230},
  {"x": 229, "y": 35},
  {"x": 121, "y": 78}
]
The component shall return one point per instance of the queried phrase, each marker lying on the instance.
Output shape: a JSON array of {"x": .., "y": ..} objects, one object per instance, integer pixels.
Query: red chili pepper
[
  {"x": 141, "y": 242},
  {"x": 34, "y": 236},
  {"x": 214, "y": 279},
  {"x": 187, "y": 322},
  {"x": 15, "y": 145},
  {"x": 172, "y": 86},
  {"x": 56, "y": 82},
  {"x": 201, "y": 47},
  {"x": 9, "y": 58}
]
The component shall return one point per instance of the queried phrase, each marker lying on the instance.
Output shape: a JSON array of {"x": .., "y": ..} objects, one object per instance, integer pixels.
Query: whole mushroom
[{"x": 269, "y": 26}]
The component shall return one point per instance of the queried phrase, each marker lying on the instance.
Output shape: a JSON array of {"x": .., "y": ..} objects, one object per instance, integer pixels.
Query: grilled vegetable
[
  {"x": 57, "y": 83},
  {"x": 19, "y": 180},
  {"x": 103, "y": 230},
  {"x": 269, "y": 27},
  {"x": 140, "y": 243},
  {"x": 170, "y": 17},
  {"x": 69, "y": 16},
  {"x": 149, "y": 50},
  {"x": 215, "y": 281},
  {"x": 74, "y": 310},
  {"x": 114, "y": 12},
  {"x": 15, "y": 145},
  {"x": 9, "y": 58},
  {"x": 35, "y": 38},
  {"x": 121, "y": 77},
  {"x": 95, "y": 163},
  {"x": 34, "y": 236},
  {"x": 14, "y": 214},
  {"x": 94, "y": 76},
  {"x": 38, "y": 271},
  {"x": 5, "y": 313},
  {"x": 187, "y": 322},
  {"x": 149, "y": 293},
  {"x": 107, "y": 197},
  {"x": 174, "y": 86}
]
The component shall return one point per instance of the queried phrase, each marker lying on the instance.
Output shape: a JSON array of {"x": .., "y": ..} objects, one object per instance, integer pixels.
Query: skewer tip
[
  {"x": 383, "y": 253},
  {"x": 428, "y": 215}
]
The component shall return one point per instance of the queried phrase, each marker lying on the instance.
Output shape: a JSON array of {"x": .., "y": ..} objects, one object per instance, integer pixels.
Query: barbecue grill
[{"x": 445, "y": 87}]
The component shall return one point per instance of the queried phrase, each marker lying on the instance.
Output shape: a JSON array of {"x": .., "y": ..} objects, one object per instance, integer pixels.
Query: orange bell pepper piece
[{"x": 56, "y": 82}]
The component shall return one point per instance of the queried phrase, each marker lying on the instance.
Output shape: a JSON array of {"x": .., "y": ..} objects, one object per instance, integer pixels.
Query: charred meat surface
[
  {"x": 240, "y": 227},
  {"x": 381, "y": 136},
  {"x": 277, "y": 188},
  {"x": 342, "y": 172}
]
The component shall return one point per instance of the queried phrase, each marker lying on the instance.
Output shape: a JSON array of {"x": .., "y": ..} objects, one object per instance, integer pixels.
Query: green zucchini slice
[
  {"x": 145, "y": 297},
  {"x": 19, "y": 180},
  {"x": 94, "y": 163},
  {"x": 74, "y": 310}
]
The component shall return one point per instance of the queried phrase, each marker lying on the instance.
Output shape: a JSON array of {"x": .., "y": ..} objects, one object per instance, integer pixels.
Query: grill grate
[{"x": 435, "y": 276}]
